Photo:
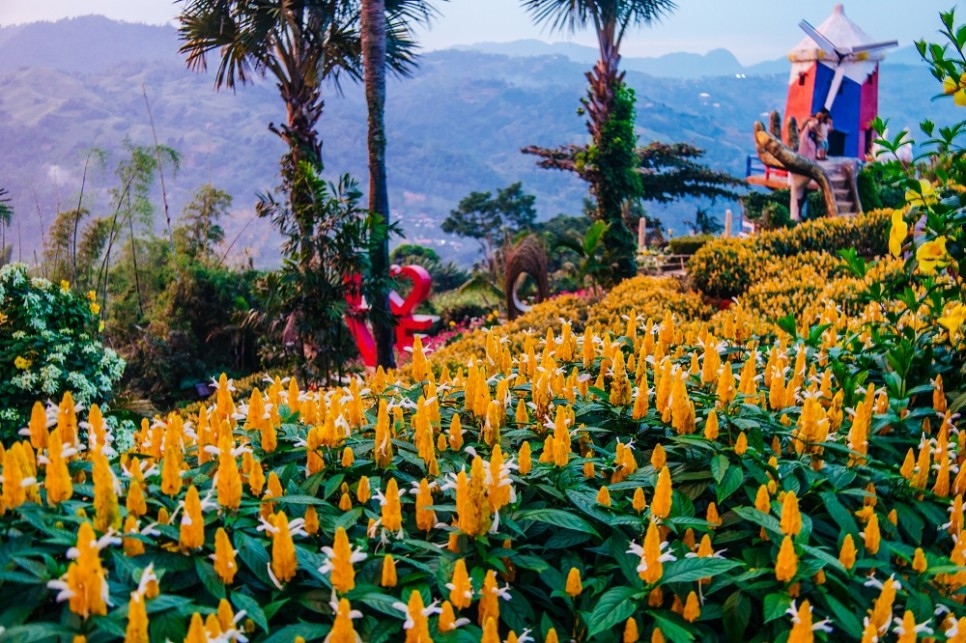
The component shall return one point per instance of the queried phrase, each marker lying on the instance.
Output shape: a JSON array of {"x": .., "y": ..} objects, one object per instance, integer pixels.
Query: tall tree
[
  {"x": 374, "y": 59},
  {"x": 609, "y": 109},
  {"x": 300, "y": 44}
]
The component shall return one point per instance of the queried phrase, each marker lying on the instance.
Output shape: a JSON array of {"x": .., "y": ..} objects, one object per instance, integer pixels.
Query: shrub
[
  {"x": 49, "y": 343},
  {"x": 688, "y": 245},
  {"x": 725, "y": 268}
]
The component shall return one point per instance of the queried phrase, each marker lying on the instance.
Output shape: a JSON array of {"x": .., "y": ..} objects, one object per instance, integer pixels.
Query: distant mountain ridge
[
  {"x": 456, "y": 126},
  {"x": 717, "y": 62}
]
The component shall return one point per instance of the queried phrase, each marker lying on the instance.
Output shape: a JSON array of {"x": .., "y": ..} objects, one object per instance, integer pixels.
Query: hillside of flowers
[{"x": 637, "y": 468}]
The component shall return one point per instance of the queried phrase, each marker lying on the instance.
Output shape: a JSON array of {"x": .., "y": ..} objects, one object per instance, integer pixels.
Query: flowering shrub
[
  {"x": 49, "y": 343},
  {"x": 725, "y": 268}
]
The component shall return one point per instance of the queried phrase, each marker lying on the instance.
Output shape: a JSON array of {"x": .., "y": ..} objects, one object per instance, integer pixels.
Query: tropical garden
[{"x": 765, "y": 448}]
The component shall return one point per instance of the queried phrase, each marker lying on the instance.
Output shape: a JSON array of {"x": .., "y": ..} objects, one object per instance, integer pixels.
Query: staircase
[{"x": 841, "y": 174}]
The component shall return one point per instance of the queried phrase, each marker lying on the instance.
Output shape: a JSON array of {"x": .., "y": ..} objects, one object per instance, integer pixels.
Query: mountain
[{"x": 455, "y": 126}]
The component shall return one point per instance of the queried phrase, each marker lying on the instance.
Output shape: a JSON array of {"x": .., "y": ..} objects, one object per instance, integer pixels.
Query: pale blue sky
[{"x": 753, "y": 30}]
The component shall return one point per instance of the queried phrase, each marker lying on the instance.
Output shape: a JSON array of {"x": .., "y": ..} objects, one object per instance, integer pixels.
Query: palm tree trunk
[{"x": 374, "y": 60}]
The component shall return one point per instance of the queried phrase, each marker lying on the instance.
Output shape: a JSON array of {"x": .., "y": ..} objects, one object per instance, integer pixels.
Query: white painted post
[
  {"x": 642, "y": 235},
  {"x": 727, "y": 228}
]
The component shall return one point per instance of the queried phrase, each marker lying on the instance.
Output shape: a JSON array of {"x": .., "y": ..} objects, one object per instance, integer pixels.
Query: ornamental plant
[{"x": 50, "y": 343}]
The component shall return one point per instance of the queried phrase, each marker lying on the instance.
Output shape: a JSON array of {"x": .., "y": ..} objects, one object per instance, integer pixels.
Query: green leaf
[
  {"x": 672, "y": 627},
  {"x": 613, "y": 607},
  {"x": 776, "y": 606},
  {"x": 557, "y": 518},
  {"x": 843, "y": 617},
  {"x": 719, "y": 466},
  {"x": 691, "y": 569},
  {"x": 308, "y": 631},
  {"x": 252, "y": 609},
  {"x": 736, "y": 613},
  {"x": 36, "y": 632},
  {"x": 209, "y": 578},
  {"x": 731, "y": 482}
]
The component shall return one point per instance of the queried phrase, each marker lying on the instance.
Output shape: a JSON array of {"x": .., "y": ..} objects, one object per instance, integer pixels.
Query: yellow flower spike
[
  {"x": 651, "y": 568},
  {"x": 348, "y": 457},
  {"x": 908, "y": 465},
  {"x": 919, "y": 563},
  {"x": 848, "y": 552},
  {"x": 490, "y": 632},
  {"x": 787, "y": 564},
  {"x": 639, "y": 502},
  {"x": 574, "y": 585},
  {"x": 589, "y": 472},
  {"x": 192, "y": 534},
  {"x": 339, "y": 563},
  {"x": 447, "y": 618},
  {"x": 655, "y": 597},
  {"x": 58, "y": 482},
  {"x": 311, "y": 525},
  {"x": 525, "y": 459},
  {"x": 909, "y": 634},
  {"x": 171, "y": 470},
  {"x": 871, "y": 535},
  {"x": 19, "y": 477},
  {"x": 455, "y": 434},
  {"x": 801, "y": 624},
  {"x": 551, "y": 636},
  {"x": 363, "y": 490},
  {"x": 425, "y": 518},
  {"x": 881, "y": 615},
  {"x": 791, "y": 518},
  {"x": 658, "y": 457},
  {"x": 229, "y": 479},
  {"x": 620, "y": 388},
  {"x": 956, "y": 518},
  {"x": 661, "y": 502},
  {"x": 711, "y": 429},
  {"x": 382, "y": 446},
  {"x": 137, "y": 620},
  {"x": 284, "y": 562},
  {"x": 132, "y": 546},
  {"x": 392, "y": 510},
  {"x": 106, "y": 507},
  {"x": 603, "y": 496},
  {"x": 489, "y": 606},
  {"x": 85, "y": 578},
  {"x": 692, "y": 608},
  {"x": 38, "y": 427},
  {"x": 472, "y": 506},
  {"x": 224, "y": 557},
  {"x": 712, "y": 516},
  {"x": 388, "y": 577},
  {"x": 741, "y": 444},
  {"x": 345, "y": 501},
  {"x": 763, "y": 500},
  {"x": 460, "y": 587},
  {"x": 932, "y": 255},
  {"x": 657, "y": 636},
  {"x": 226, "y": 616},
  {"x": 196, "y": 631},
  {"x": 631, "y": 633}
]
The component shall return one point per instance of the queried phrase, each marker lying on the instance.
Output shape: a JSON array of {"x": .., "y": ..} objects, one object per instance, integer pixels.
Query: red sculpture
[{"x": 407, "y": 323}]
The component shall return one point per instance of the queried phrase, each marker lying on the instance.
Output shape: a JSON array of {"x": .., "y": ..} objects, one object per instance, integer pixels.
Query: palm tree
[
  {"x": 374, "y": 41},
  {"x": 610, "y": 20},
  {"x": 610, "y": 113}
]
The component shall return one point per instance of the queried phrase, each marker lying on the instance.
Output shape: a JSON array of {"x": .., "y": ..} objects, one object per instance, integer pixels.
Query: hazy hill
[{"x": 456, "y": 126}]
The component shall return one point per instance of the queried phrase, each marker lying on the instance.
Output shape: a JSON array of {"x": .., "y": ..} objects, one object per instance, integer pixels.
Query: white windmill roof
[{"x": 844, "y": 34}]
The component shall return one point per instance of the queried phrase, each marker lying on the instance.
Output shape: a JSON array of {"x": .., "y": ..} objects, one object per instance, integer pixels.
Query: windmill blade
[
  {"x": 821, "y": 40},
  {"x": 875, "y": 45},
  {"x": 833, "y": 90}
]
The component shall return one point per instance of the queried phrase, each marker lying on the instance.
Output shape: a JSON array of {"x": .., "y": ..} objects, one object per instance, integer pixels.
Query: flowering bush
[
  {"x": 49, "y": 343},
  {"x": 725, "y": 268}
]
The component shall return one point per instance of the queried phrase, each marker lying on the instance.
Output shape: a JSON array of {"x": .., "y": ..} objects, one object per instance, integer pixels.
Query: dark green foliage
[
  {"x": 194, "y": 334},
  {"x": 688, "y": 245},
  {"x": 705, "y": 223},
  {"x": 488, "y": 218},
  {"x": 616, "y": 181},
  {"x": 200, "y": 231},
  {"x": 326, "y": 241},
  {"x": 876, "y": 190},
  {"x": 768, "y": 210}
]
